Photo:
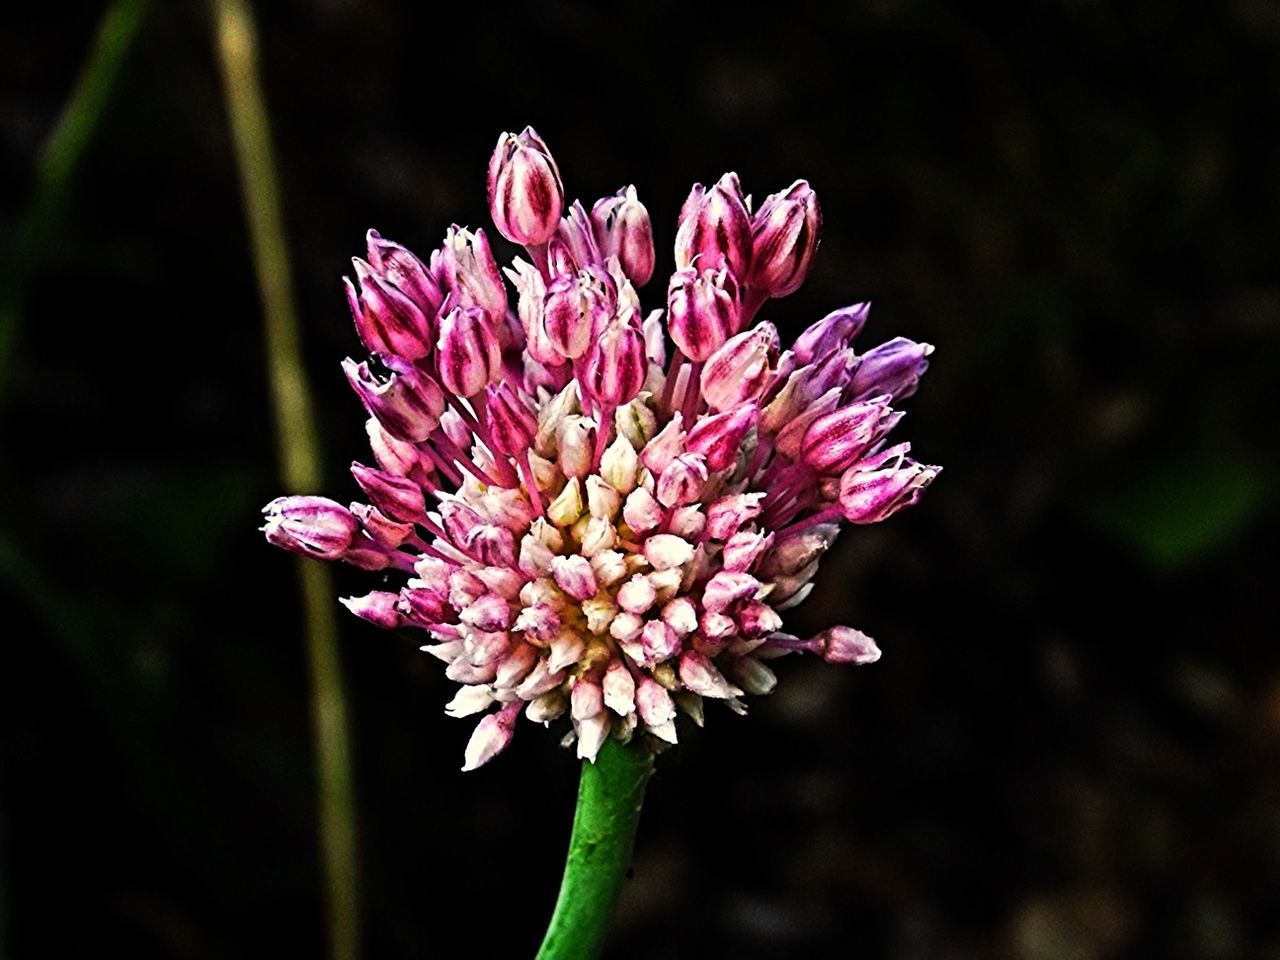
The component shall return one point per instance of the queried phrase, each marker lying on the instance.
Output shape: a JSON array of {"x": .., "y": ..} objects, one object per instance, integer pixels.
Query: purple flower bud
[
  {"x": 470, "y": 273},
  {"x": 715, "y": 228},
  {"x": 623, "y": 230},
  {"x": 876, "y": 489},
  {"x": 397, "y": 497},
  {"x": 727, "y": 514},
  {"x": 387, "y": 319},
  {"x": 784, "y": 238},
  {"x": 846, "y": 645},
  {"x": 683, "y": 480},
  {"x": 719, "y": 438},
  {"x": 586, "y": 699},
  {"x": 489, "y": 613},
  {"x": 526, "y": 196},
  {"x": 380, "y": 528},
  {"x": 727, "y": 588},
  {"x": 313, "y": 526},
  {"x": 408, "y": 403},
  {"x": 616, "y": 365},
  {"x": 492, "y": 545},
  {"x": 512, "y": 423},
  {"x": 574, "y": 576},
  {"x": 576, "y": 309},
  {"x": 893, "y": 368},
  {"x": 744, "y": 548},
  {"x": 407, "y": 273},
  {"x": 397, "y": 456},
  {"x": 619, "y": 688},
  {"x": 837, "y": 329},
  {"x": 654, "y": 705},
  {"x": 659, "y": 641},
  {"x": 378, "y": 607},
  {"x": 835, "y": 441},
  {"x": 739, "y": 370},
  {"x": 702, "y": 310},
  {"x": 574, "y": 246},
  {"x": 757, "y": 619},
  {"x": 468, "y": 352}
]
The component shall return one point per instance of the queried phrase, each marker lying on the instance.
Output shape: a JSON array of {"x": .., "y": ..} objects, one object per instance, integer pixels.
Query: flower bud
[
  {"x": 682, "y": 481},
  {"x": 837, "y": 329},
  {"x": 636, "y": 595},
  {"x": 398, "y": 497},
  {"x": 526, "y": 196},
  {"x": 654, "y": 705},
  {"x": 641, "y": 511},
  {"x": 636, "y": 422},
  {"x": 313, "y": 526},
  {"x": 719, "y": 438},
  {"x": 574, "y": 576},
  {"x": 407, "y": 273},
  {"x": 876, "y": 489},
  {"x": 491, "y": 737},
  {"x": 380, "y": 528},
  {"x": 512, "y": 423},
  {"x": 847, "y": 645},
  {"x": 834, "y": 442},
  {"x": 892, "y": 369},
  {"x": 744, "y": 548},
  {"x": 489, "y": 613},
  {"x": 616, "y": 365},
  {"x": 470, "y": 273},
  {"x": 699, "y": 675},
  {"x": 576, "y": 309},
  {"x": 468, "y": 352},
  {"x": 715, "y": 228},
  {"x": 619, "y": 466},
  {"x": 702, "y": 310},
  {"x": 577, "y": 436},
  {"x": 408, "y": 404},
  {"x": 574, "y": 245},
  {"x": 728, "y": 588},
  {"x": 739, "y": 370},
  {"x": 619, "y": 688},
  {"x": 728, "y": 514},
  {"x": 623, "y": 230},
  {"x": 784, "y": 234},
  {"x": 659, "y": 641},
  {"x": 378, "y": 607},
  {"x": 666, "y": 550},
  {"x": 387, "y": 320},
  {"x": 397, "y": 456}
]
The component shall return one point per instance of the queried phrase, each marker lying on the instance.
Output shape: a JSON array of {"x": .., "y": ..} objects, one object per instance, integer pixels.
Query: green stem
[
  {"x": 604, "y": 831},
  {"x": 237, "y": 43}
]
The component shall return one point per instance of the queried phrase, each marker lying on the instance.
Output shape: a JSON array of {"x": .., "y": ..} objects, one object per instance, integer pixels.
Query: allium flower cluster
[{"x": 594, "y": 510}]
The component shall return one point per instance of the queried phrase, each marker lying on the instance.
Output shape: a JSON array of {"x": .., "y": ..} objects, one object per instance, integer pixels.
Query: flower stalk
[{"x": 610, "y": 796}]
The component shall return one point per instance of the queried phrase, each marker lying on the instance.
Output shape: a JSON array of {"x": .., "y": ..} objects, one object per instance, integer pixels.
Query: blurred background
[{"x": 1071, "y": 748}]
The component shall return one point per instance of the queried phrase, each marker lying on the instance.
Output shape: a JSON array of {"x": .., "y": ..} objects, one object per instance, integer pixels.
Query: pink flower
[{"x": 582, "y": 528}]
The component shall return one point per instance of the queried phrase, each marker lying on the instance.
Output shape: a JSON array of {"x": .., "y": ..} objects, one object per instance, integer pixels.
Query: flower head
[{"x": 579, "y": 528}]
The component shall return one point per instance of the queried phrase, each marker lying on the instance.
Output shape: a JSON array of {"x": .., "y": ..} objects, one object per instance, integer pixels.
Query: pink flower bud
[
  {"x": 728, "y": 588},
  {"x": 666, "y": 550},
  {"x": 616, "y": 365},
  {"x": 424, "y": 603},
  {"x": 623, "y": 230},
  {"x": 574, "y": 245},
  {"x": 526, "y": 197},
  {"x": 470, "y": 273},
  {"x": 512, "y": 423},
  {"x": 408, "y": 403},
  {"x": 636, "y": 595},
  {"x": 832, "y": 332},
  {"x": 847, "y": 645},
  {"x": 573, "y": 575},
  {"x": 659, "y": 641},
  {"x": 715, "y": 228},
  {"x": 492, "y": 735},
  {"x": 641, "y": 511},
  {"x": 699, "y": 675},
  {"x": 893, "y": 369},
  {"x": 397, "y": 497},
  {"x": 378, "y": 607},
  {"x": 516, "y": 666},
  {"x": 313, "y": 526},
  {"x": 492, "y": 545},
  {"x": 727, "y": 514},
  {"x": 702, "y": 310},
  {"x": 576, "y": 309},
  {"x": 739, "y": 370},
  {"x": 539, "y": 622},
  {"x": 719, "y": 438},
  {"x": 468, "y": 352},
  {"x": 784, "y": 238},
  {"x": 387, "y": 319},
  {"x": 683, "y": 480},
  {"x": 835, "y": 441},
  {"x": 407, "y": 273},
  {"x": 757, "y": 619},
  {"x": 876, "y": 489},
  {"x": 744, "y": 548},
  {"x": 397, "y": 456},
  {"x": 654, "y": 705},
  {"x": 586, "y": 699},
  {"x": 665, "y": 447},
  {"x": 380, "y": 528},
  {"x": 489, "y": 613}
]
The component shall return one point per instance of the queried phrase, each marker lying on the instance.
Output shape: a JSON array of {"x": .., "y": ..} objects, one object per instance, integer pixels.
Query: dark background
[{"x": 1071, "y": 747}]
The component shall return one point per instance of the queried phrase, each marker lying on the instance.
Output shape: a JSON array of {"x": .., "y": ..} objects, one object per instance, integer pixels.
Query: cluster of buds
[{"x": 591, "y": 511}]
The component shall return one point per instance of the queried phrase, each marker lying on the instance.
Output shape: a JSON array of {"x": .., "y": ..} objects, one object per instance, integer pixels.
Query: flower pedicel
[{"x": 587, "y": 518}]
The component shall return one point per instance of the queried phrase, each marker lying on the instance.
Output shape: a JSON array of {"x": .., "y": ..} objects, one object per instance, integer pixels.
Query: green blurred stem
[
  {"x": 296, "y": 434},
  {"x": 57, "y": 162},
  {"x": 610, "y": 796}
]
